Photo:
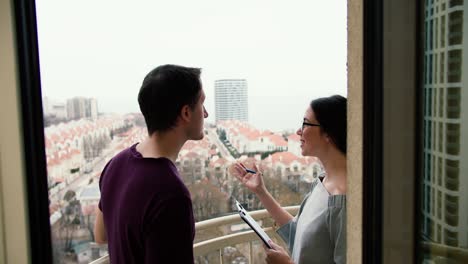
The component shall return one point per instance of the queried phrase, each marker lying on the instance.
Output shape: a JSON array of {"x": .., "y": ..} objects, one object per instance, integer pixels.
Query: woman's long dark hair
[{"x": 330, "y": 113}]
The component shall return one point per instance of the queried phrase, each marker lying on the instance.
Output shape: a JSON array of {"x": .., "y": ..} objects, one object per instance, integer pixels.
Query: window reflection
[{"x": 444, "y": 214}]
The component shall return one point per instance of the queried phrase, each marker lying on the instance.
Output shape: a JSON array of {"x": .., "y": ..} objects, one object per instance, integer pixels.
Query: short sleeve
[
  {"x": 288, "y": 233},
  {"x": 100, "y": 182},
  {"x": 336, "y": 222}
]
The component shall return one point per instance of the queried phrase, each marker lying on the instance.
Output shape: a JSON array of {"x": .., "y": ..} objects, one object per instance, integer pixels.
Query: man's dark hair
[
  {"x": 330, "y": 112},
  {"x": 165, "y": 90}
]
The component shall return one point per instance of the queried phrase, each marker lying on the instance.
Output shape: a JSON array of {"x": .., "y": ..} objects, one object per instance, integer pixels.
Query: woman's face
[{"x": 313, "y": 140}]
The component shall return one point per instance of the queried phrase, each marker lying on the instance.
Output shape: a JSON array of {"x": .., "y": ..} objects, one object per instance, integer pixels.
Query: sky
[{"x": 290, "y": 52}]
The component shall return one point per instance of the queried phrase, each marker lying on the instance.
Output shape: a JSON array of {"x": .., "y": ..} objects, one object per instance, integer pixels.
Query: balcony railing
[
  {"x": 219, "y": 243},
  {"x": 445, "y": 252}
]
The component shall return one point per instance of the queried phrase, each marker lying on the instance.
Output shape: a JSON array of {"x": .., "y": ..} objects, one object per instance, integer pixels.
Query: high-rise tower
[{"x": 231, "y": 101}]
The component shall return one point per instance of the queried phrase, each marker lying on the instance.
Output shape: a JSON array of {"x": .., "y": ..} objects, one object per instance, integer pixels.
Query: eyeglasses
[{"x": 304, "y": 124}]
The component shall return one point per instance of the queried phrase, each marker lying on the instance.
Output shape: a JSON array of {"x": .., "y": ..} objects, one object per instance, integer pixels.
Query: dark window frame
[
  {"x": 372, "y": 132},
  {"x": 40, "y": 244},
  {"x": 419, "y": 126}
]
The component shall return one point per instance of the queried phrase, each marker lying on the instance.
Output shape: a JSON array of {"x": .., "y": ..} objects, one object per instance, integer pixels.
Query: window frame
[
  {"x": 30, "y": 98},
  {"x": 372, "y": 132}
]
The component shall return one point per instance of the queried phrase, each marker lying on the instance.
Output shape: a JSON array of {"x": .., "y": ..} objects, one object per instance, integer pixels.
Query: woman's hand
[
  {"x": 277, "y": 255},
  {"x": 253, "y": 182}
]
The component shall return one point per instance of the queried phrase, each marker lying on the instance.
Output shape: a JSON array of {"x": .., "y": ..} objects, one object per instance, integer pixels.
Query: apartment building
[{"x": 231, "y": 100}]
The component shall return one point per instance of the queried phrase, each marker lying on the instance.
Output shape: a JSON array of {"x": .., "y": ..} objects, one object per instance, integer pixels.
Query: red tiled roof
[
  {"x": 191, "y": 144},
  {"x": 294, "y": 137},
  {"x": 53, "y": 208},
  {"x": 190, "y": 155},
  {"x": 47, "y": 142},
  {"x": 284, "y": 157},
  {"x": 310, "y": 160},
  {"x": 219, "y": 162},
  {"x": 75, "y": 151},
  {"x": 278, "y": 140},
  {"x": 52, "y": 162},
  {"x": 88, "y": 209},
  {"x": 55, "y": 138}
]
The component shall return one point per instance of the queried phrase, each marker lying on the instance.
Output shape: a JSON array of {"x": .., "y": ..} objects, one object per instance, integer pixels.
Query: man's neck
[{"x": 158, "y": 145}]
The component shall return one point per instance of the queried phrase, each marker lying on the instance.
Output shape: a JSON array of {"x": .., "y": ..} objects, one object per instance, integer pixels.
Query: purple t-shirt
[{"x": 147, "y": 210}]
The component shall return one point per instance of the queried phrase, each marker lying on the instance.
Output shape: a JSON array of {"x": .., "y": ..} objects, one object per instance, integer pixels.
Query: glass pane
[
  {"x": 444, "y": 201},
  {"x": 262, "y": 63}
]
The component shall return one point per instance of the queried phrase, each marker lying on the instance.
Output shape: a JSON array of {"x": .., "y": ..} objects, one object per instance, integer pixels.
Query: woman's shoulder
[
  {"x": 315, "y": 182},
  {"x": 337, "y": 201}
]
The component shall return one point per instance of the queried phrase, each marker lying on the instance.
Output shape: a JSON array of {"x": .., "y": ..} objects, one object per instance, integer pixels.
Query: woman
[{"x": 318, "y": 233}]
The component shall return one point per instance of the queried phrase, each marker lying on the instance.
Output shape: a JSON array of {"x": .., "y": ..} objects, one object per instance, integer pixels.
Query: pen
[{"x": 250, "y": 171}]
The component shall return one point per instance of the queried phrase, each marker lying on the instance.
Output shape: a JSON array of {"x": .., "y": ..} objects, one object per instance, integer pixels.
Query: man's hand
[{"x": 277, "y": 255}]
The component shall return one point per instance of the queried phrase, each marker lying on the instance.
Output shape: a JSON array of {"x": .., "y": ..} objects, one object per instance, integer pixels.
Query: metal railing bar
[
  {"x": 250, "y": 252},
  {"x": 441, "y": 250},
  {"x": 205, "y": 247},
  {"x": 234, "y": 218}
]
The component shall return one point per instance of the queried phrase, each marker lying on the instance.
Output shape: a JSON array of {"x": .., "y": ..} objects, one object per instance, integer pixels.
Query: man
[{"x": 145, "y": 211}]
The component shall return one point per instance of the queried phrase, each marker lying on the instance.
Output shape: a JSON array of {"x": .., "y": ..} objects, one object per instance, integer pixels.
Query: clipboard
[{"x": 254, "y": 225}]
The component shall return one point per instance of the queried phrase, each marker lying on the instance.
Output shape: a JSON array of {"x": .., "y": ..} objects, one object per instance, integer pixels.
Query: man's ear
[{"x": 185, "y": 113}]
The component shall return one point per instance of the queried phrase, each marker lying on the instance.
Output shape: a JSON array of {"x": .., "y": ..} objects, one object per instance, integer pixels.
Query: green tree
[{"x": 222, "y": 135}]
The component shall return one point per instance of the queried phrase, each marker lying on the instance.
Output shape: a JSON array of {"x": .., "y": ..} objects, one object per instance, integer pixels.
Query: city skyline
[{"x": 287, "y": 59}]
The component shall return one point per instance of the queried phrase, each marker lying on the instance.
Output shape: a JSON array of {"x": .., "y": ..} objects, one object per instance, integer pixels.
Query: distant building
[
  {"x": 54, "y": 109},
  {"x": 80, "y": 107},
  {"x": 231, "y": 101},
  {"x": 59, "y": 110},
  {"x": 46, "y": 108},
  {"x": 247, "y": 139}
]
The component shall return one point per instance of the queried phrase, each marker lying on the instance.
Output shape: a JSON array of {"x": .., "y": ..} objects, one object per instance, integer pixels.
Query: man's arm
[
  {"x": 100, "y": 235},
  {"x": 99, "y": 228}
]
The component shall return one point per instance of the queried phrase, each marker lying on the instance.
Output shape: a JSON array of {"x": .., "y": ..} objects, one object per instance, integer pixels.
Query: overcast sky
[{"x": 289, "y": 51}]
